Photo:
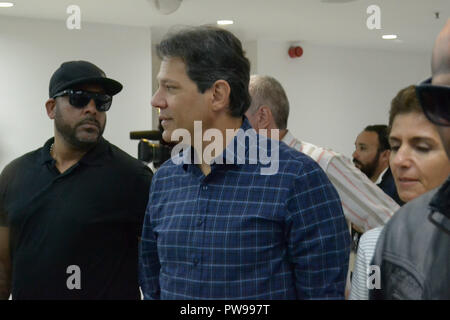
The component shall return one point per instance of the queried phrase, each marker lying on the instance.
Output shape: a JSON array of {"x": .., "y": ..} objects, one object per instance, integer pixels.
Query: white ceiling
[{"x": 314, "y": 21}]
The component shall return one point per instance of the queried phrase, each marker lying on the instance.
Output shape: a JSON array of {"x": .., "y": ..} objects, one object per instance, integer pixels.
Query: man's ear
[
  {"x": 385, "y": 155},
  {"x": 220, "y": 95},
  {"x": 265, "y": 117},
  {"x": 50, "y": 106}
]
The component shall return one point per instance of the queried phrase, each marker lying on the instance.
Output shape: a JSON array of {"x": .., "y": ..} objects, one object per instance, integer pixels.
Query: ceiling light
[
  {"x": 6, "y": 4},
  {"x": 224, "y": 22},
  {"x": 389, "y": 36}
]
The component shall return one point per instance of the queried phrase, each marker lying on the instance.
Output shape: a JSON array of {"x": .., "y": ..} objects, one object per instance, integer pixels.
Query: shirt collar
[
  {"x": 95, "y": 156},
  {"x": 45, "y": 151},
  {"x": 380, "y": 177},
  {"x": 288, "y": 138},
  {"x": 230, "y": 152}
]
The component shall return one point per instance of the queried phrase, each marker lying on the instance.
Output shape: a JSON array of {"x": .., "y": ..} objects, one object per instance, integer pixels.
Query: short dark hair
[
  {"x": 266, "y": 90},
  {"x": 210, "y": 54},
  {"x": 404, "y": 102},
  {"x": 382, "y": 131}
]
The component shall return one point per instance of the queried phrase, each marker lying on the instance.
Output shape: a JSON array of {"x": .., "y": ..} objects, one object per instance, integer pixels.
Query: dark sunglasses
[
  {"x": 80, "y": 99},
  {"x": 435, "y": 102}
]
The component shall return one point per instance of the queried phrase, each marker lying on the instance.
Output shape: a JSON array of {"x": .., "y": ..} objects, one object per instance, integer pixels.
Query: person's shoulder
[
  {"x": 370, "y": 238},
  {"x": 170, "y": 167},
  {"x": 299, "y": 161},
  {"x": 412, "y": 214},
  {"x": 404, "y": 239},
  {"x": 310, "y": 148},
  {"x": 402, "y": 230},
  {"x": 125, "y": 160},
  {"x": 323, "y": 156},
  {"x": 28, "y": 159}
]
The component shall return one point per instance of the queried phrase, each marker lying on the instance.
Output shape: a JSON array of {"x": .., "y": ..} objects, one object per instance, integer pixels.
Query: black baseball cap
[{"x": 73, "y": 73}]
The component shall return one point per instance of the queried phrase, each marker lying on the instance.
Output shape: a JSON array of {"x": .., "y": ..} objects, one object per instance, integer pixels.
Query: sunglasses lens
[
  {"x": 436, "y": 104},
  {"x": 79, "y": 99},
  {"x": 103, "y": 102}
]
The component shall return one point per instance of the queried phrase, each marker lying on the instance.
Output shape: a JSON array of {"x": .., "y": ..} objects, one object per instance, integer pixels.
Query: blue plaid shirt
[{"x": 237, "y": 234}]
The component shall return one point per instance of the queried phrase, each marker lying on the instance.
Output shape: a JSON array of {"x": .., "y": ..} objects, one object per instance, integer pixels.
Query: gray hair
[{"x": 266, "y": 90}]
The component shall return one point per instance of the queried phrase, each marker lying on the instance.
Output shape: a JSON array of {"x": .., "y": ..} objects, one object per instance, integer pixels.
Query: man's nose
[
  {"x": 158, "y": 100},
  {"x": 91, "y": 107}
]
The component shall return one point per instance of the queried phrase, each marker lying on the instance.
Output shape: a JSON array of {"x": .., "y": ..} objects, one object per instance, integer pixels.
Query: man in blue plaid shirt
[{"x": 224, "y": 229}]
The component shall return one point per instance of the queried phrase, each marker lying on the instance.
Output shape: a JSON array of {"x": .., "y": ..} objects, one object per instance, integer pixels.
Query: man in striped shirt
[{"x": 365, "y": 205}]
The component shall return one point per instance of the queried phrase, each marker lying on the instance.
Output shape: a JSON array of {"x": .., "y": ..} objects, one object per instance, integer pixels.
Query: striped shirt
[
  {"x": 366, "y": 250},
  {"x": 365, "y": 205},
  {"x": 237, "y": 234}
]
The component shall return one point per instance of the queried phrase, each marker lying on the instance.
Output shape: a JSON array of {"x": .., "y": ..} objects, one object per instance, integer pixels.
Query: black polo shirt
[{"x": 89, "y": 217}]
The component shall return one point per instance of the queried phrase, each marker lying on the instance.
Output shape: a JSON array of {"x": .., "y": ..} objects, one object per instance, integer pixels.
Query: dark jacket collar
[{"x": 441, "y": 200}]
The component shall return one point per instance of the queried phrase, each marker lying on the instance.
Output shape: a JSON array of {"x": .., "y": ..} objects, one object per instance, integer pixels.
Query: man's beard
[
  {"x": 70, "y": 133},
  {"x": 369, "y": 168}
]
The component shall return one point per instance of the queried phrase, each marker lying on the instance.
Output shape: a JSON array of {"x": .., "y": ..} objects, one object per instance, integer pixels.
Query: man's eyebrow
[{"x": 165, "y": 80}]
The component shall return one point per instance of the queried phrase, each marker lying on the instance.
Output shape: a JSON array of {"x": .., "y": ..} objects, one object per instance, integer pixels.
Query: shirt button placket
[
  {"x": 202, "y": 206},
  {"x": 200, "y": 222}
]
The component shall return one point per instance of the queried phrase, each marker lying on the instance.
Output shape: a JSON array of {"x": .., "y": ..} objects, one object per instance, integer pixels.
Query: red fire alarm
[{"x": 295, "y": 52}]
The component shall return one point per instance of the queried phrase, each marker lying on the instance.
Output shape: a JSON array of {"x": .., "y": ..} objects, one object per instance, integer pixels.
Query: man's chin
[
  {"x": 167, "y": 136},
  {"x": 86, "y": 142}
]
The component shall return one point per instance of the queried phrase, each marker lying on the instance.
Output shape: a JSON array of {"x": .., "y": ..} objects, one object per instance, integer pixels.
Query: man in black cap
[{"x": 71, "y": 211}]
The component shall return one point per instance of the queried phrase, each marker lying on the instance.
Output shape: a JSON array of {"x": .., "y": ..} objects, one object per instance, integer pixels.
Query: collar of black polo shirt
[{"x": 94, "y": 157}]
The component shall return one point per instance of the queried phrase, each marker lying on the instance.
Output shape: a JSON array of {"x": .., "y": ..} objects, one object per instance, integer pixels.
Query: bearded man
[{"x": 71, "y": 211}]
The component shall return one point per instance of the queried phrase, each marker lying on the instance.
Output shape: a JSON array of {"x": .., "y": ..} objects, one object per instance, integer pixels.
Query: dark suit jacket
[{"x": 387, "y": 184}]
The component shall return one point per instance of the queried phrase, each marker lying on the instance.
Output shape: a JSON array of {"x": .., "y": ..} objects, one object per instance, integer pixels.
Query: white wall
[
  {"x": 251, "y": 52},
  {"x": 156, "y": 63},
  {"x": 31, "y": 50},
  {"x": 335, "y": 92}
]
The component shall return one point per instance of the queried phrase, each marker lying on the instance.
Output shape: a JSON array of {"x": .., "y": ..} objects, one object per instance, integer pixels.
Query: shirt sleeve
[
  {"x": 366, "y": 250},
  {"x": 363, "y": 202},
  {"x": 377, "y": 259},
  {"x": 317, "y": 236},
  {"x": 149, "y": 266}
]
